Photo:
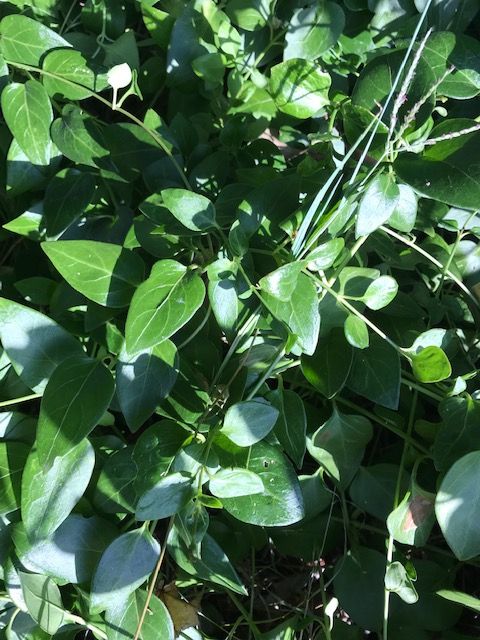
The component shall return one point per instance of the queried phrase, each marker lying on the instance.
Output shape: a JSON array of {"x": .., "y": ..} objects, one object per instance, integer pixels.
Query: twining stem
[
  {"x": 396, "y": 499},
  {"x": 8, "y": 403},
  {"x": 153, "y": 581},
  {"x": 158, "y": 139}
]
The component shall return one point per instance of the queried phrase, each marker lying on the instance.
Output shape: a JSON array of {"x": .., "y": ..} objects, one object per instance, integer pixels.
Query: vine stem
[
  {"x": 391, "y": 541},
  {"x": 153, "y": 581},
  {"x": 8, "y": 403},
  {"x": 110, "y": 105}
]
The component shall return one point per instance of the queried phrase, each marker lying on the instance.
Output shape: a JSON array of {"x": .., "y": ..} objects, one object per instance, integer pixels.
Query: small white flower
[{"x": 119, "y": 76}]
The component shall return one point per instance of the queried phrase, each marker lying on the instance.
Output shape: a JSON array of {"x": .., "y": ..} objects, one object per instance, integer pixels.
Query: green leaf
[
  {"x": 80, "y": 79},
  {"x": 165, "y": 498},
  {"x": 405, "y": 213},
  {"x": 73, "y": 551},
  {"x": 12, "y": 460},
  {"x": 115, "y": 491},
  {"x": 380, "y": 293},
  {"x": 193, "y": 210},
  {"x": 43, "y": 600},
  {"x": 339, "y": 445},
  {"x": 34, "y": 343},
  {"x": 48, "y": 496},
  {"x": 105, "y": 273},
  {"x": 23, "y": 627},
  {"x": 281, "y": 503},
  {"x": 74, "y": 401},
  {"x": 224, "y": 290},
  {"x": 458, "y": 506},
  {"x": 448, "y": 171},
  {"x": 249, "y": 14},
  {"x": 122, "y": 622},
  {"x": 323, "y": 256},
  {"x": 281, "y": 283},
  {"x": 356, "y": 332},
  {"x": 66, "y": 197},
  {"x": 144, "y": 380},
  {"x": 375, "y": 373},
  {"x": 398, "y": 581},
  {"x": 431, "y": 365},
  {"x": 211, "y": 564},
  {"x": 313, "y": 30},
  {"x": 328, "y": 368},
  {"x": 291, "y": 425},
  {"x": 300, "y": 313},
  {"x": 124, "y": 566},
  {"x": 162, "y": 305},
  {"x": 26, "y": 41},
  {"x": 458, "y": 433},
  {"x": 28, "y": 114},
  {"x": 464, "y": 599},
  {"x": 373, "y": 489},
  {"x": 412, "y": 521},
  {"x": 377, "y": 204},
  {"x": 249, "y": 421},
  {"x": 77, "y": 137},
  {"x": 299, "y": 88},
  {"x": 230, "y": 483}
]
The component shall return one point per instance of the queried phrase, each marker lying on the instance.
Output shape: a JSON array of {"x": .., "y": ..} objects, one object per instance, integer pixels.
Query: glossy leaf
[
  {"x": 125, "y": 565},
  {"x": 12, "y": 460},
  {"x": 339, "y": 444},
  {"x": 165, "y": 498},
  {"x": 456, "y": 506},
  {"x": 291, "y": 425},
  {"x": 313, "y": 30},
  {"x": 356, "y": 332},
  {"x": 249, "y": 421},
  {"x": 122, "y": 622},
  {"x": 193, "y": 210},
  {"x": 66, "y": 198},
  {"x": 77, "y": 79},
  {"x": 377, "y": 204},
  {"x": 431, "y": 365},
  {"x": 75, "y": 399},
  {"x": 328, "y": 368},
  {"x": 457, "y": 434},
  {"x": 48, "y": 496},
  {"x": 299, "y": 88},
  {"x": 26, "y": 41},
  {"x": 35, "y": 344},
  {"x": 380, "y": 293},
  {"x": 230, "y": 483},
  {"x": 144, "y": 380},
  {"x": 43, "y": 600},
  {"x": 28, "y": 114},
  {"x": 105, "y": 273},
  {"x": 162, "y": 305}
]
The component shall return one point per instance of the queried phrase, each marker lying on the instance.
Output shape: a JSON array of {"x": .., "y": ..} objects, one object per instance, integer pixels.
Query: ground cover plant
[{"x": 238, "y": 319}]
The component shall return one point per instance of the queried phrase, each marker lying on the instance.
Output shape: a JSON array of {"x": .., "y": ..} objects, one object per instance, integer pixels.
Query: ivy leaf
[
  {"x": 299, "y": 88},
  {"x": 281, "y": 502},
  {"x": 165, "y": 498},
  {"x": 281, "y": 283},
  {"x": 144, "y": 380},
  {"x": 339, "y": 444},
  {"x": 313, "y": 30},
  {"x": 35, "y": 343},
  {"x": 291, "y": 425},
  {"x": 380, "y": 293},
  {"x": 431, "y": 365},
  {"x": 77, "y": 138},
  {"x": 48, "y": 496},
  {"x": 124, "y": 566},
  {"x": 193, "y": 210},
  {"x": 80, "y": 82},
  {"x": 73, "y": 551},
  {"x": 75, "y": 399},
  {"x": 26, "y": 41},
  {"x": 458, "y": 433},
  {"x": 356, "y": 332},
  {"x": 28, "y": 114},
  {"x": 248, "y": 422},
  {"x": 412, "y": 521},
  {"x": 211, "y": 564},
  {"x": 328, "y": 368},
  {"x": 230, "y": 483},
  {"x": 105, "y": 273},
  {"x": 375, "y": 373},
  {"x": 398, "y": 581},
  {"x": 377, "y": 204},
  {"x": 43, "y": 600},
  {"x": 66, "y": 197},
  {"x": 457, "y": 506},
  {"x": 300, "y": 313},
  {"x": 162, "y": 305},
  {"x": 122, "y": 622},
  {"x": 12, "y": 461}
]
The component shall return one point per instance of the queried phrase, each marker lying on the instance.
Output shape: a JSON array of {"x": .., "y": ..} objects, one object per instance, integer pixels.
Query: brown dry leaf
[{"x": 184, "y": 614}]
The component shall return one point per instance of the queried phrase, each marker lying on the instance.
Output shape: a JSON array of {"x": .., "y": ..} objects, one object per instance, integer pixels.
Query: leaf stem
[{"x": 8, "y": 403}]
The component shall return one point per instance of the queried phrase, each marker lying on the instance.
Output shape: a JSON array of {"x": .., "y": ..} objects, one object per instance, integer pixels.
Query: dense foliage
[{"x": 239, "y": 266}]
